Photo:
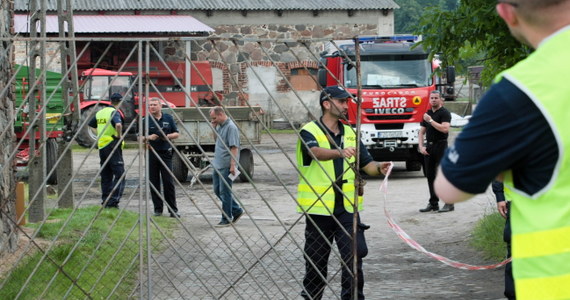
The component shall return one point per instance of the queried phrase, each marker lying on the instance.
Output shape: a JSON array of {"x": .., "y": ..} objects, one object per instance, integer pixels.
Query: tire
[
  {"x": 246, "y": 165},
  {"x": 179, "y": 168},
  {"x": 413, "y": 165},
  {"x": 87, "y": 136},
  {"x": 51, "y": 158}
]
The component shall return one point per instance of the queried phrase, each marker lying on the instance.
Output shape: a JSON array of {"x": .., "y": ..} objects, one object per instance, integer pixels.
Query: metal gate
[{"x": 74, "y": 248}]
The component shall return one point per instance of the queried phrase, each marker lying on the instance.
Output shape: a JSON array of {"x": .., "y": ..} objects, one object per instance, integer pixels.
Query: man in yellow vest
[
  {"x": 520, "y": 133},
  {"x": 109, "y": 124},
  {"x": 326, "y": 195}
]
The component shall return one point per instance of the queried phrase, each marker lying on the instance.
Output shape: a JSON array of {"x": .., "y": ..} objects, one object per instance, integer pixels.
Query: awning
[{"x": 121, "y": 24}]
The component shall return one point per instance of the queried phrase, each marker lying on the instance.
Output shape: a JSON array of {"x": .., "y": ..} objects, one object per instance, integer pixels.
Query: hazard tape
[{"x": 415, "y": 245}]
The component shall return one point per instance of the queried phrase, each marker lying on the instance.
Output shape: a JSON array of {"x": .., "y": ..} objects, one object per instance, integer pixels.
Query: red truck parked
[{"x": 397, "y": 77}]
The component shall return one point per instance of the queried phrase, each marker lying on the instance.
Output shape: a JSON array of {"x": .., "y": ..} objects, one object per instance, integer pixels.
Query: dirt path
[{"x": 392, "y": 269}]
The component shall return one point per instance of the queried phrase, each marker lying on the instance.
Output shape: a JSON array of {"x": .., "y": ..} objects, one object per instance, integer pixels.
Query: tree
[
  {"x": 407, "y": 18},
  {"x": 472, "y": 30}
]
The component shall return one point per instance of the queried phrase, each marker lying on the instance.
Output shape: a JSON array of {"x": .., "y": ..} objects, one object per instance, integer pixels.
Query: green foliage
[
  {"x": 407, "y": 18},
  {"x": 97, "y": 249},
  {"x": 487, "y": 237},
  {"x": 473, "y": 31}
]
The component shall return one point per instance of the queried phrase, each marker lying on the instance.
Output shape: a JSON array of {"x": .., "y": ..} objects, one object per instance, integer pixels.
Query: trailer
[{"x": 197, "y": 139}]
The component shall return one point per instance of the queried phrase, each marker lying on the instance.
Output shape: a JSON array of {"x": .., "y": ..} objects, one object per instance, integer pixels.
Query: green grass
[
  {"x": 487, "y": 237},
  {"x": 96, "y": 271}
]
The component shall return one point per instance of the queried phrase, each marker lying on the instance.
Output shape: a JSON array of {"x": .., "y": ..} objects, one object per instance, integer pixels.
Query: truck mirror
[
  {"x": 450, "y": 74},
  {"x": 322, "y": 77}
]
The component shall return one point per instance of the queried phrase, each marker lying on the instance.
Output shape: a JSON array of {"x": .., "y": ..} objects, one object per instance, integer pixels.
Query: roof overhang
[{"x": 122, "y": 24}]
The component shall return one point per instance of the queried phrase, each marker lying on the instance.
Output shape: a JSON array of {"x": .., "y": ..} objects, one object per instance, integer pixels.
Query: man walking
[
  {"x": 226, "y": 156},
  {"x": 435, "y": 128},
  {"x": 520, "y": 134},
  {"x": 327, "y": 182},
  {"x": 109, "y": 124},
  {"x": 161, "y": 130}
]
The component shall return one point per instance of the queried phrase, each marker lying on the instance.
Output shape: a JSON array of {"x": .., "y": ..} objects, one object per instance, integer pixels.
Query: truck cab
[{"x": 396, "y": 80}]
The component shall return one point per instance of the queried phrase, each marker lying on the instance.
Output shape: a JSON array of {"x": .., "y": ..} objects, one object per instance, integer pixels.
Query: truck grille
[{"x": 390, "y": 117}]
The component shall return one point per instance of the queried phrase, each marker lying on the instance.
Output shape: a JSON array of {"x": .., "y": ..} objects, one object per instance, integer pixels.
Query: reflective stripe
[
  {"x": 541, "y": 222},
  {"x": 551, "y": 242},
  {"x": 543, "y": 288}
]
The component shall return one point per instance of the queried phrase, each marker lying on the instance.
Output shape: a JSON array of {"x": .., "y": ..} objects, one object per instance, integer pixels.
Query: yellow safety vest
[
  {"x": 315, "y": 192},
  {"x": 105, "y": 132},
  {"x": 541, "y": 222}
]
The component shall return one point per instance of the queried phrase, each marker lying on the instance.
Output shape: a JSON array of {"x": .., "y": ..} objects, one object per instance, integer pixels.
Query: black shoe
[
  {"x": 223, "y": 224},
  {"x": 430, "y": 207},
  {"x": 175, "y": 215},
  {"x": 447, "y": 207},
  {"x": 157, "y": 214},
  {"x": 237, "y": 216}
]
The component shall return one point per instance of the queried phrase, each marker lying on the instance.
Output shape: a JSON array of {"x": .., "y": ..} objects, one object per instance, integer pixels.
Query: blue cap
[
  {"x": 334, "y": 91},
  {"x": 116, "y": 97}
]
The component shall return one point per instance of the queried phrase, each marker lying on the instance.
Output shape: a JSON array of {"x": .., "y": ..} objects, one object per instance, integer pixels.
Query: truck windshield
[
  {"x": 102, "y": 87},
  {"x": 391, "y": 71}
]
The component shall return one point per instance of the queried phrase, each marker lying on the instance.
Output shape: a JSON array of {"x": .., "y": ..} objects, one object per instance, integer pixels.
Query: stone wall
[{"x": 8, "y": 240}]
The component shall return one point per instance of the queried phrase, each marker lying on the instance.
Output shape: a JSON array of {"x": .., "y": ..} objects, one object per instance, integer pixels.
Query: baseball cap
[
  {"x": 116, "y": 97},
  {"x": 335, "y": 91}
]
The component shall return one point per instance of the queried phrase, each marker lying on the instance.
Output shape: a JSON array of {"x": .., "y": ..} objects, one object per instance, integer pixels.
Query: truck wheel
[
  {"x": 87, "y": 136},
  {"x": 246, "y": 163},
  {"x": 413, "y": 165},
  {"x": 51, "y": 158},
  {"x": 179, "y": 168}
]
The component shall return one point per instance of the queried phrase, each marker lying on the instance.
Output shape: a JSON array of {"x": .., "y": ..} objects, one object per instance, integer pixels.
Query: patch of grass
[
  {"x": 102, "y": 261},
  {"x": 487, "y": 237}
]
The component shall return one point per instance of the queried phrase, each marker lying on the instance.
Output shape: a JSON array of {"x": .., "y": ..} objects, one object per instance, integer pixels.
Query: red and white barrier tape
[{"x": 412, "y": 243}]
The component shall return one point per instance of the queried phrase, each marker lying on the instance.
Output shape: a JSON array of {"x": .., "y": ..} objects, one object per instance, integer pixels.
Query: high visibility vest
[
  {"x": 315, "y": 192},
  {"x": 541, "y": 222},
  {"x": 105, "y": 132}
]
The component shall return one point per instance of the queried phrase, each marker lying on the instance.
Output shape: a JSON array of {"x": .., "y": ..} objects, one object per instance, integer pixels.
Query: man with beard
[
  {"x": 325, "y": 158},
  {"x": 435, "y": 128}
]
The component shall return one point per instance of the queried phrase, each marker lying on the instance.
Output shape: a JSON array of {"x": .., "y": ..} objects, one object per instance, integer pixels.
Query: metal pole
[
  {"x": 187, "y": 78},
  {"x": 359, "y": 183}
]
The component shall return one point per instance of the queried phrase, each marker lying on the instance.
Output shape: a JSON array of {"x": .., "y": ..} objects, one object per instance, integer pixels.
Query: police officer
[
  {"x": 325, "y": 158},
  {"x": 525, "y": 144},
  {"x": 161, "y": 129},
  {"x": 109, "y": 124}
]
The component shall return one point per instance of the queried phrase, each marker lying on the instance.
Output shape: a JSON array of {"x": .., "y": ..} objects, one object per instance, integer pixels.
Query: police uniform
[
  {"x": 110, "y": 155},
  {"x": 329, "y": 208},
  {"x": 521, "y": 128},
  {"x": 160, "y": 163}
]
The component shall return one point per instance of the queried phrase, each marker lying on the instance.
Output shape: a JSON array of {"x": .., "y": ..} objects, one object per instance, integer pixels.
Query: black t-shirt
[
  {"x": 507, "y": 131},
  {"x": 440, "y": 116},
  {"x": 311, "y": 142},
  {"x": 161, "y": 127}
]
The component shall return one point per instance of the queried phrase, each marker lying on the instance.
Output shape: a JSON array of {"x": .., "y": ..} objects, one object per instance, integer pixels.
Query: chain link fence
[{"x": 78, "y": 249}]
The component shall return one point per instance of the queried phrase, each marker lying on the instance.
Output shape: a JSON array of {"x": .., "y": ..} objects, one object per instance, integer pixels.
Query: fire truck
[{"x": 397, "y": 77}]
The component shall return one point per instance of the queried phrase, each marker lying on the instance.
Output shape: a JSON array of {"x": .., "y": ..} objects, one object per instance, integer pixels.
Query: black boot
[
  {"x": 446, "y": 208},
  {"x": 430, "y": 207}
]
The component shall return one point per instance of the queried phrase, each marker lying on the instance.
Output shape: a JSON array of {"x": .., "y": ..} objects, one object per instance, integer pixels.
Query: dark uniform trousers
[
  {"x": 509, "y": 281},
  {"x": 431, "y": 162},
  {"x": 157, "y": 172},
  {"x": 111, "y": 173},
  {"x": 318, "y": 243}
]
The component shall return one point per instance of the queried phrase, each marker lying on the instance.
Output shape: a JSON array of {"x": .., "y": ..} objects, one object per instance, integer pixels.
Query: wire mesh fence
[{"x": 85, "y": 250}]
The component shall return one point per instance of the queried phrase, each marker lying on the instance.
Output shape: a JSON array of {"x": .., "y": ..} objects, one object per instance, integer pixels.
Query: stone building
[{"x": 259, "y": 52}]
